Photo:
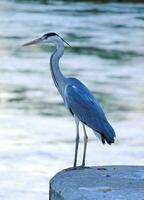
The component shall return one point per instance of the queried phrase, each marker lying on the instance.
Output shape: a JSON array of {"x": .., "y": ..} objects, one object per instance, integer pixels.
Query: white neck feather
[{"x": 57, "y": 76}]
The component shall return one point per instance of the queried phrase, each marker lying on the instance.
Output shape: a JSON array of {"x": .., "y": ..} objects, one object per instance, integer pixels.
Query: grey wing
[{"x": 83, "y": 104}]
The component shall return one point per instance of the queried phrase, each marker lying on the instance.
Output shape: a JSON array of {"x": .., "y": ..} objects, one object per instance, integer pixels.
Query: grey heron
[{"x": 82, "y": 105}]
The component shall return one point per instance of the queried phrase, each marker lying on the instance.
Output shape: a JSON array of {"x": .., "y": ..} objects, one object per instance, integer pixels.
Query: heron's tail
[{"x": 108, "y": 134}]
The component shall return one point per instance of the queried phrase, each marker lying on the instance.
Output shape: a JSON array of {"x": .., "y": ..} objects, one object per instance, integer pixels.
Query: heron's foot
[
  {"x": 70, "y": 168},
  {"x": 76, "y": 168},
  {"x": 83, "y": 167}
]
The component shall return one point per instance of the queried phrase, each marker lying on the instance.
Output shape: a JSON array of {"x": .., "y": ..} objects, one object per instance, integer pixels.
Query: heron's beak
[{"x": 36, "y": 41}]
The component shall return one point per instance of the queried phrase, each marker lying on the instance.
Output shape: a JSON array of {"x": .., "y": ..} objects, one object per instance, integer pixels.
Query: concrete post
[{"x": 99, "y": 183}]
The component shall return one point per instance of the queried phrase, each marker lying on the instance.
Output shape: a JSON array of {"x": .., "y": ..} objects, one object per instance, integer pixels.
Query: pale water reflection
[{"x": 36, "y": 131}]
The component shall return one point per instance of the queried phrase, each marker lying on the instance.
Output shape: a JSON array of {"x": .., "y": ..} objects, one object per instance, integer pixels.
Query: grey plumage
[{"x": 85, "y": 106}]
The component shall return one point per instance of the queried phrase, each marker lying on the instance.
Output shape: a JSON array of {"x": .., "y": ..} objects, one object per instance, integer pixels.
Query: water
[{"x": 36, "y": 131}]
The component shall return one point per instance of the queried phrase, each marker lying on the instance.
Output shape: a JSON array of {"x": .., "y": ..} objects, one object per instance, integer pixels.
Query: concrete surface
[{"x": 99, "y": 183}]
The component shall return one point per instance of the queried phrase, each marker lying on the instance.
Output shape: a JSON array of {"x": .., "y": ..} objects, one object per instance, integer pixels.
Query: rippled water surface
[{"x": 36, "y": 131}]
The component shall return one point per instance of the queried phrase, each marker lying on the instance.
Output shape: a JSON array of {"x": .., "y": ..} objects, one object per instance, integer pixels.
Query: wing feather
[{"x": 85, "y": 106}]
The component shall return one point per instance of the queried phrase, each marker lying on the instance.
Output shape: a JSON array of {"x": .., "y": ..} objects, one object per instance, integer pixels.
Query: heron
[{"x": 77, "y": 98}]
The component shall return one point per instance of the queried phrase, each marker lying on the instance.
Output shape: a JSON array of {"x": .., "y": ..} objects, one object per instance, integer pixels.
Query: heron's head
[{"x": 46, "y": 38}]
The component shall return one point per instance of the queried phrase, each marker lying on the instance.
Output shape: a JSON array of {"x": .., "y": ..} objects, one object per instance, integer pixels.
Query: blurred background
[{"x": 36, "y": 132}]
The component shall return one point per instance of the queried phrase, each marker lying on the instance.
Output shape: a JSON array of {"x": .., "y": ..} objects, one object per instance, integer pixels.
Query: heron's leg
[
  {"x": 77, "y": 143},
  {"x": 85, "y": 145}
]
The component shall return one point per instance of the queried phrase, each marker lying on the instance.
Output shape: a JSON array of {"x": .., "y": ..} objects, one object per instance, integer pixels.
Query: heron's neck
[{"x": 57, "y": 76}]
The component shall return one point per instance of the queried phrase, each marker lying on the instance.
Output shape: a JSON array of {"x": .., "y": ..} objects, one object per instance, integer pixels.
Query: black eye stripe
[{"x": 49, "y": 35}]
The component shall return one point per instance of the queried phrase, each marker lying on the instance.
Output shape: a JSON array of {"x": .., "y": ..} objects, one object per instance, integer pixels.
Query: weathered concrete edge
[{"x": 65, "y": 184}]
